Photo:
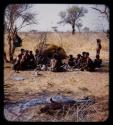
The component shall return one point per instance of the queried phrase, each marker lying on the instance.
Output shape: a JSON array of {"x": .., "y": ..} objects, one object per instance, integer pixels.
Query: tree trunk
[
  {"x": 5, "y": 57},
  {"x": 12, "y": 53},
  {"x": 73, "y": 29},
  {"x": 79, "y": 29},
  {"x": 11, "y": 49}
]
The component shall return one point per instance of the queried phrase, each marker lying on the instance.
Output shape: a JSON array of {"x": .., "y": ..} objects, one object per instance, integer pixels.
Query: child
[
  {"x": 71, "y": 61},
  {"x": 99, "y": 47}
]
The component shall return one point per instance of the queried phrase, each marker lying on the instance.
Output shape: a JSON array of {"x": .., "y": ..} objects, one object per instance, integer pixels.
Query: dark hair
[
  {"x": 98, "y": 40},
  {"x": 87, "y": 53},
  {"x": 70, "y": 56},
  {"x": 83, "y": 53},
  {"x": 27, "y": 51},
  {"x": 78, "y": 55},
  {"x": 22, "y": 49}
]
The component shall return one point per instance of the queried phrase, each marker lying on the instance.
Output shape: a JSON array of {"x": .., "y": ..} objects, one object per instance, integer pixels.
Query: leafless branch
[{"x": 102, "y": 11}]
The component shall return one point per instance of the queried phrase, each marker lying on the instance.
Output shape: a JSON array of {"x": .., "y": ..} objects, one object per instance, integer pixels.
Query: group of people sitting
[
  {"x": 27, "y": 60},
  {"x": 83, "y": 62}
]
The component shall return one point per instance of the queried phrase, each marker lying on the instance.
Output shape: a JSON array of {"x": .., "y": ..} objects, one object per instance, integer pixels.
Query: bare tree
[
  {"x": 103, "y": 11},
  {"x": 17, "y": 16},
  {"x": 72, "y": 15}
]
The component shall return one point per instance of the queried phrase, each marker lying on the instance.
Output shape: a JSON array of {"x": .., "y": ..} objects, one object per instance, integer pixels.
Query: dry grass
[{"x": 73, "y": 44}]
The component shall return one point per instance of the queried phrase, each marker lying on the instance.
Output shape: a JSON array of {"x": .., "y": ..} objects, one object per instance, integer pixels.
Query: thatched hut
[{"x": 50, "y": 49}]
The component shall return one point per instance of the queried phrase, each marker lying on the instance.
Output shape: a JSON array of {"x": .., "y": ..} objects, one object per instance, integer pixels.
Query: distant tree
[
  {"x": 54, "y": 28},
  {"x": 72, "y": 15},
  {"x": 86, "y": 29},
  {"x": 79, "y": 26},
  {"x": 17, "y": 16},
  {"x": 33, "y": 31}
]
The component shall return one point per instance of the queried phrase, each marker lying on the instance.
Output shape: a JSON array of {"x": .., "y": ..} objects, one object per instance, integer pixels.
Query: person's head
[
  {"x": 87, "y": 54},
  {"x": 70, "y": 56},
  {"x": 78, "y": 55},
  {"x": 97, "y": 57},
  {"x": 31, "y": 52},
  {"x": 98, "y": 41},
  {"x": 27, "y": 51},
  {"x": 84, "y": 54},
  {"x": 22, "y": 50}
]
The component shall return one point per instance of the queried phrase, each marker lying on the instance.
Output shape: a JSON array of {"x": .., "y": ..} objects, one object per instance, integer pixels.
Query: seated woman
[
  {"x": 52, "y": 64},
  {"x": 90, "y": 65},
  {"x": 56, "y": 64},
  {"x": 78, "y": 61},
  {"x": 71, "y": 61},
  {"x": 83, "y": 61},
  {"x": 97, "y": 62}
]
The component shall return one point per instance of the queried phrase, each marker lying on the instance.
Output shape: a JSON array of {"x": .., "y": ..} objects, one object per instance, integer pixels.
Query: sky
[{"x": 48, "y": 17}]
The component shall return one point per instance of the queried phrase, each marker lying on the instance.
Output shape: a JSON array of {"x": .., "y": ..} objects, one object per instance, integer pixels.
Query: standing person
[
  {"x": 99, "y": 47},
  {"x": 16, "y": 64},
  {"x": 21, "y": 53},
  {"x": 22, "y": 62},
  {"x": 18, "y": 59},
  {"x": 25, "y": 60},
  {"x": 32, "y": 60}
]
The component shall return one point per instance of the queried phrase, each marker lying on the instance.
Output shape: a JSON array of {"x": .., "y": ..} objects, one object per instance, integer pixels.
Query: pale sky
[{"x": 48, "y": 17}]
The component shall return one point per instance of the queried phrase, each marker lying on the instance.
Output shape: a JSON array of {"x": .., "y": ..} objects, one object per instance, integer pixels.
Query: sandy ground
[{"x": 76, "y": 84}]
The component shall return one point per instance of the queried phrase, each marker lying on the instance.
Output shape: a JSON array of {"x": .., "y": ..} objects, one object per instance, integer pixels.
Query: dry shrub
[
  {"x": 70, "y": 113},
  {"x": 73, "y": 114}
]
